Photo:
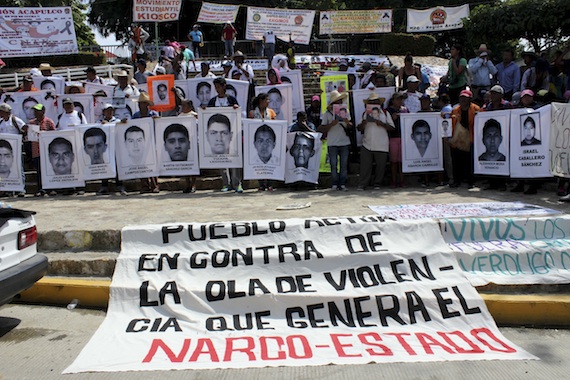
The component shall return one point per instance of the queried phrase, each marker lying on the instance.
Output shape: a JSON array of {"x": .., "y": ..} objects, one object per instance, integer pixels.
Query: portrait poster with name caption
[
  {"x": 136, "y": 149},
  {"x": 24, "y": 101},
  {"x": 200, "y": 91},
  {"x": 560, "y": 140},
  {"x": 81, "y": 103},
  {"x": 160, "y": 92},
  {"x": 265, "y": 149},
  {"x": 293, "y": 292},
  {"x": 530, "y": 142},
  {"x": 177, "y": 145},
  {"x": 491, "y": 143},
  {"x": 303, "y": 158},
  {"x": 422, "y": 148},
  {"x": 97, "y": 150},
  {"x": 280, "y": 100},
  {"x": 220, "y": 132},
  {"x": 10, "y": 163},
  {"x": 59, "y": 160},
  {"x": 295, "y": 78}
]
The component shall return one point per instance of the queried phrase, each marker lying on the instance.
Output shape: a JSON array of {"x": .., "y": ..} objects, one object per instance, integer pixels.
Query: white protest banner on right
[
  {"x": 560, "y": 140},
  {"x": 436, "y": 19},
  {"x": 292, "y": 292}
]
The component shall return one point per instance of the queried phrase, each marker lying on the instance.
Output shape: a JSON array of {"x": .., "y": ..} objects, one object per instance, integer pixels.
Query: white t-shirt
[
  {"x": 336, "y": 136},
  {"x": 69, "y": 120},
  {"x": 7, "y": 126},
  {"x": 376, "y": 137},
  {"x": 269, "y": 37}
]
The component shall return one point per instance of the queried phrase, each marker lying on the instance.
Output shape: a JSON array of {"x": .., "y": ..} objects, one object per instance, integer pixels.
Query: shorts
[{"x": 395, "y": 149}]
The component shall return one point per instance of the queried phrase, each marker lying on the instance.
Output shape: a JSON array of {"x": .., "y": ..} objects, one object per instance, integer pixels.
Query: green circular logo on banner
[{"x": 256, "y": 17}]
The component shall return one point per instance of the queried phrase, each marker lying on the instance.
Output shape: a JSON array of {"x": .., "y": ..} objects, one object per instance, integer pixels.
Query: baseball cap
[
  {"x": 498, "y": 89},
  {"x": 227, "y": 64},
  {"x": 107, "y": 106},
  {"x": 466, "y": 93},
  {"x": 39, "y": 107},
  {"x": 67, "y": 100},
  {"x": 316, "y": 98},
  {"x": 412, "y": 79},
  {"x": 527, "y": 92}
]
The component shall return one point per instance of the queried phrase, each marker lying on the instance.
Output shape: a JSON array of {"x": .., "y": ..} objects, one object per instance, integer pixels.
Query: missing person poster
[
  {"x": 265, "y": 147},
  {"x": 177, "y": 145},
  {"x": 330, "y": 83},
  {"x": 303, "y": 158},
  {"x": 37, "y": 31},
  {"x": 200, "y": 91},
  {"x": 23, "y": 102},
  {"x": 11, "y": 170},
  {"x": 422, "y": 148},
  {"x": 530, "y": 142},
  {"x": 97, "y": 151},
  {"x": 239, "y": 89},
  {"x": 220, "y": 134},
  {"x": 294, "y": 292},
  {"x": 135, "y": 147},
  {"x": 359, "y": 97},
  {"x": 160, "y": 92},
  {"x": 560, "y": 140},
  {"x": 295, "y": 78},
  {"x": 280, "y": 100},
  {"x": 491, "y": 143},
  {"x": 59, "y": 160}
]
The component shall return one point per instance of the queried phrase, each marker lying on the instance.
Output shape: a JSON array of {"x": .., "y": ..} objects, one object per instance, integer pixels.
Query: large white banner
[
  {"x": 530, "y": 142},
  {"x": 156, "y": 10},
  {"x": 303, "y": 157},
  {"x": 422, "y": 149},
  {"x": 59, "y": 156},
  {"x": 96, "y": 143},
  {"x": 177, "y": 145},
  {"x": 294, "y": 24},
  {"x": 341, "y": 290},
  {"x": 11, "y": 170},
  {"x": 280, "y": 100},
  {"x": 491, "y": 142},
  {"x": 436, "y": 19},
  {"x": 136, "y": 148},
  {"x": 510, "y": 251},
  {"x": 265, "y": 149},
  {"x": 355, "y": 22},
  {"x": 560, "y": 140},
  {"x": 220, "y": 132},
  {"x": 217, "y": 13},
  {"x": 37, "y": 31}
]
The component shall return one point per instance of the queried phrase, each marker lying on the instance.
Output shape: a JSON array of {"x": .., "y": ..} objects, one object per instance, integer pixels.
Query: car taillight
[{"x": 27, "y": 237}]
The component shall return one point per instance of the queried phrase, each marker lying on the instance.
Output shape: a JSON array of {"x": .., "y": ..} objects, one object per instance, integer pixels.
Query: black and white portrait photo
[
  {"x": 265, "y": 144},
  {"x": 220, "y": 136},
  {"x": 176, "y": 144}
]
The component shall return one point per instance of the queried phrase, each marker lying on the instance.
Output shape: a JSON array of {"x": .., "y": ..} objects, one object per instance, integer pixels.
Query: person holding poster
[
  {"x": 260, "y": 108},
  {"x": 463, "y": 119},
  {"x": 492, "y": 140},
  {"x": 149, "y": 185},
  {"x": 375, "y": 144},
  {"x": 338, "y": 140},
  {"x": 395, "y": 108},
  {"x": 37, "y": 125}
]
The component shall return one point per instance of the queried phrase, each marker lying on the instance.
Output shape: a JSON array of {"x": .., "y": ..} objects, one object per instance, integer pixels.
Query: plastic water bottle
[{"x": 73, "y": 304}]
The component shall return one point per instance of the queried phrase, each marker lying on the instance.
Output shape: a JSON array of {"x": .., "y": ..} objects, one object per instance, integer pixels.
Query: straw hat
[
  {"x": 122, "y": 73},
  {"x": 45, "y": 66},
  {"x": 238, "y": 54},
  {"x": 374, "y": 97},
  {"x": 145, "y": 98},
  {"x": 335, "y": 96}
]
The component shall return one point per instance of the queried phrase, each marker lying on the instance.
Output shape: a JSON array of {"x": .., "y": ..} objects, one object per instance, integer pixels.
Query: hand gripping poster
[
  {"x": 177, "y": 145},
  {"x": 530, "y": 142},
  {"x": 96, "y": 151},
  {"x": 422, "y": 148},
  {"x": 59, "y": 160},
  {"x": 491, "y": 143},
  {"x": 303, "y": 157},
  {"x": 135, "y": 147},
  {"x": 265, "y": 145}
]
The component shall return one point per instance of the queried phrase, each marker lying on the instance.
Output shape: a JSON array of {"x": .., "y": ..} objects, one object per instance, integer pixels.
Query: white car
[{"x": 20, "y": 264}]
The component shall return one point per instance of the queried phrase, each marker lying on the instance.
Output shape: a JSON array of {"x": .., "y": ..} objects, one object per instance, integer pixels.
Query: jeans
[
  {"x": 269, "y": 52},
  {"x": 334, "y": 153},
  {"x": 229, "y": 47}
]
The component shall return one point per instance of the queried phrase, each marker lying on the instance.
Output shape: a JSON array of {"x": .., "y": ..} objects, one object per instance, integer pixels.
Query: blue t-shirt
[{"x": 196, "y": 35}]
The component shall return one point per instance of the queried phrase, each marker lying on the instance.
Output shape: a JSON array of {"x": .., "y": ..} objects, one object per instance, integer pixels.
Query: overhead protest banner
[
  {"x": 287, "y": 24},
  {"x": 355, "y": 22},
  {"x": 156, "y": 10},
  {"x": 37, "y": 31},
  {"x": 530, "y": 142},
  {"x": 340, "y": 290},
  {"x": 560, "y": 140},
  {"x": 436, "y": 19},
  {"x": 511, "y": 251},
  {"x": 217, "y": 13}
]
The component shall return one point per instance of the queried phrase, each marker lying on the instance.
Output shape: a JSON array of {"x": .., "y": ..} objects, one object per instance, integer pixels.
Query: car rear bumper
[{"x": 21, "y": 277}]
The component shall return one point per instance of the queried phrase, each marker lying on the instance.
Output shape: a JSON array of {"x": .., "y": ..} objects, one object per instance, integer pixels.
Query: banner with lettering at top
[
  {"x": 287, "y": 24},
  {"x": 37, "y": 31},
  {"x": 294, "y": 292},
  {"x": 436, "y": 19},
  {"x": 530, "y": 141},
  {"x": 560, "y": 140},
  {"x": 218, "y": 13},
  {"x": 355, "y": 22},
  {"x": 156, "y": 10}
]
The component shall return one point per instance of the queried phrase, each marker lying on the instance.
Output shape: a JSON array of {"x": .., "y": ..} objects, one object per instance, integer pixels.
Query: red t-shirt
[{"x": 229, "y": 32}]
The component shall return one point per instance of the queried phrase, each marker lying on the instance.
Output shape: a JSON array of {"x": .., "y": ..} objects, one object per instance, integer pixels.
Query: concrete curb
[
  {"x": 79, "y": 240},
  {"x": 507, "y": 309}
]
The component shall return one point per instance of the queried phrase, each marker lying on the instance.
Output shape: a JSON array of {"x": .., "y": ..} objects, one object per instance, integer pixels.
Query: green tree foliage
[
  {"x": 84, "y": 34},
  {"x": 543, "y": 23}
]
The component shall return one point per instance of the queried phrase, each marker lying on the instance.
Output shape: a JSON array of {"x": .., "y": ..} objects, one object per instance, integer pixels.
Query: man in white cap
[
  {"x": 10, "y": 123},
  {"x": 70, "y": 117},
  {"x": 481, "y": 69},
  {"x": 413, "y": 96},
  {"x": 497, "y": 102}
]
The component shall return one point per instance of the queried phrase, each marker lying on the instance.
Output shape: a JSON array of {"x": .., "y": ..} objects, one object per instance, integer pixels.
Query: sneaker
[
  {"x": 343, "y": 188},
  {"x": 270, "y": 189},
  {"x": 102, "y": 191},
  {"x": 156, "y": 190},
  {"x": 334, "y": 187},
  {"x": 40, "y": 193},
  {"x": 239, "y": 189},
  {"x": 122, "y": 190},
  {"x": 53, "y": 193},
  {"x": 193, "y": 189},
  {"x": 21, "y": 194},
  {"x": 225, "y": 189},
  {"x": 80, "y": 192}
]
